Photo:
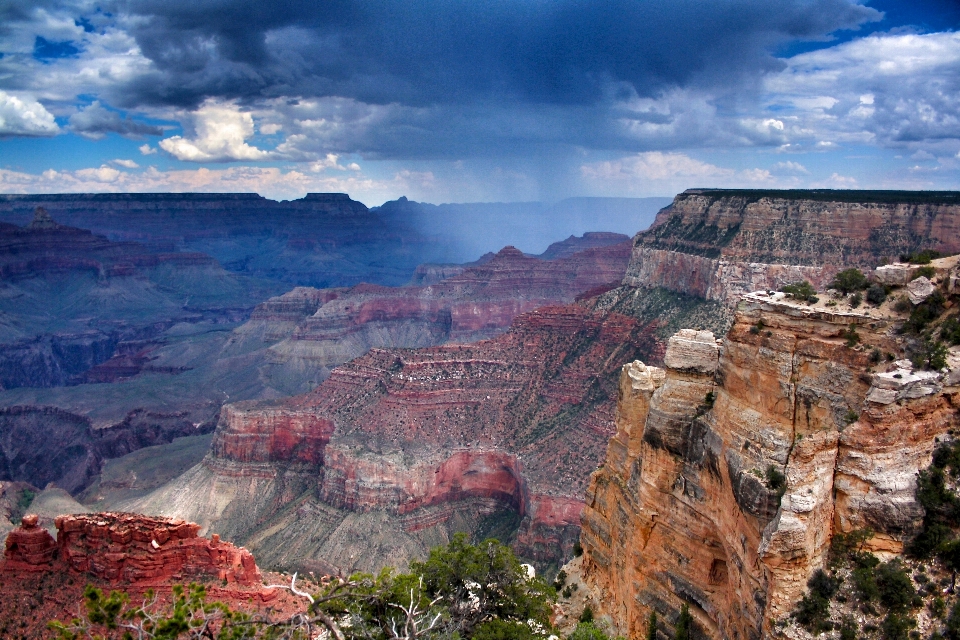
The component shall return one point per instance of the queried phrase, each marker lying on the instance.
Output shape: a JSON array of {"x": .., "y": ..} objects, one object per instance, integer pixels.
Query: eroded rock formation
[
  {"x": 419, "y": 443},
  {"x": 128, "y": 548},
  {"x": 733, "y": 466}
]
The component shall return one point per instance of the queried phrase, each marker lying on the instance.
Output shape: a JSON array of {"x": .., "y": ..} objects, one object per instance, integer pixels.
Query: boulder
[{"x": 920, "y": 289}]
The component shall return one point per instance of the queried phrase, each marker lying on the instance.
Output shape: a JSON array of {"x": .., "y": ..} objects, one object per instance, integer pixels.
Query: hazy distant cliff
[{"x": 323, "y": 239}]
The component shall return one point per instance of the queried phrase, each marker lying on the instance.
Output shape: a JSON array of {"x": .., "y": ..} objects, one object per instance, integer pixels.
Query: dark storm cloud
[
  {"x": 96, "y": 121},
  {"x": 441, "y": 52}
]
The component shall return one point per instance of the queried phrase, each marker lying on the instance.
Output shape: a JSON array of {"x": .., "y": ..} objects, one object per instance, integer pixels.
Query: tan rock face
[{"x": 687, "y": 507}]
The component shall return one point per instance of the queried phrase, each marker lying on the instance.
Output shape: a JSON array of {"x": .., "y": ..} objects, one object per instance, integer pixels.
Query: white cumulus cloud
[
  {"x": 220, "y": 131},
  {"x": 25, "y": 117}
]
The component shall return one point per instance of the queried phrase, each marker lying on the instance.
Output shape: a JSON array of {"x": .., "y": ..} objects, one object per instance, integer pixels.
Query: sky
[{"x": 478, "y": 101}]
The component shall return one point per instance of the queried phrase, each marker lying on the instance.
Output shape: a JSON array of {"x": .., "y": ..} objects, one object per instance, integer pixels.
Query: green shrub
[
  {"x": 897, "y": 626},
  {"x": 894, "y": 585},
  {"x": 652, "y": 626},
  {"x": 925, "y": 313},
  {"x": 938, "y": 607},
  {"x": 865, "y": 578},
  {"x": 497, "y": 629},
  {"x": 851, "y": 416},
  {"x": 953, "y": 622},
  {"x": 950, "y": 331},
  {"x": 931, "y": 355},
  {"x": 776, "y": 481},
  {"x": 799, "y": 290},
  {"x": 849, "y": 280},
  {"x": 587, "y": 631},
  {"x": 927, "y": 272},
  {"x": 856, "y": 300},
  {"x": 920, "y": 257},
  {"x": 876, "y": 294},
  {"x": 902, "y": 305},
  {"x": 848, "y": 628},
  {"x": 844, "y": 547},
  {"x": 560, "y": 580},
  {"x": 587, "y": 615},
  {"x": 851, "y": 336},
  {"x": 684, "y": 624},
  {"x": 813, "y": 611}
]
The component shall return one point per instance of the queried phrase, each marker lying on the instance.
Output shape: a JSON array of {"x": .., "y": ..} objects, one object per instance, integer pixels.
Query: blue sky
[{"x": 456, "y": 101}]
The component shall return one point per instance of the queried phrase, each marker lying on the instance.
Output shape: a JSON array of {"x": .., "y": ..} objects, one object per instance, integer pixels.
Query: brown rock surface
[{"x": 683, "y": 510}]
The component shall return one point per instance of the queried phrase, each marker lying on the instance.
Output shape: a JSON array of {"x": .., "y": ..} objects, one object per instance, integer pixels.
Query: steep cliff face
[
  {"x": 721, "y": 243},
  {"x": 315, "y": 330},
  {"x": 727, "y": 502}
]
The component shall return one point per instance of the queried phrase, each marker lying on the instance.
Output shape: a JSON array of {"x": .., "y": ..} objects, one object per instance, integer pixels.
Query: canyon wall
[
  {"x": 734, "y": 465},
  {"x": 313, "y": 330},
  {"x": 722, "y": 243},
  {"x": 400, "y": 448}
]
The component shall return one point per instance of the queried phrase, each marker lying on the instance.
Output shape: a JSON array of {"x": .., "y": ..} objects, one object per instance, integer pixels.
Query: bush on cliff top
[
  {"x": 849, "y": 281},
  {"x": 801, "y": 290}
]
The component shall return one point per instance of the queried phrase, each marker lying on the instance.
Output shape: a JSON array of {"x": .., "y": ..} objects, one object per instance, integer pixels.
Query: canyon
[
  {"x": 481, "y": 397},
  {"x": 307, "y": 332},
  {"x": 491, "y": 422}
]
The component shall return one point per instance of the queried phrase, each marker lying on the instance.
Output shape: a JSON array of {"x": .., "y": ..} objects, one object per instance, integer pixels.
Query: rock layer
[
  {"x": 688, "y": 509},
  {"x": 316, "y": 330},
  {"x": 430, "y": 440}
]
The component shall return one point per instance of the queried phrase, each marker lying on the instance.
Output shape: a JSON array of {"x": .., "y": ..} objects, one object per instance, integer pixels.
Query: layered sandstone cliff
[
  {"x": 722, "y": 243},
  {"x": 734, "y": 465},
  {"x": 314, "y": 330}
]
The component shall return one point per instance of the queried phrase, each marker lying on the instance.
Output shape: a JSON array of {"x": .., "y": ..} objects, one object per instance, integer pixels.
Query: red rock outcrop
[
  {"x": 128, "y": 548},
  {"x": 29, "y": 547},
  {"x": 686, "y": 509},
  {"x": 138, "y": 549}
]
